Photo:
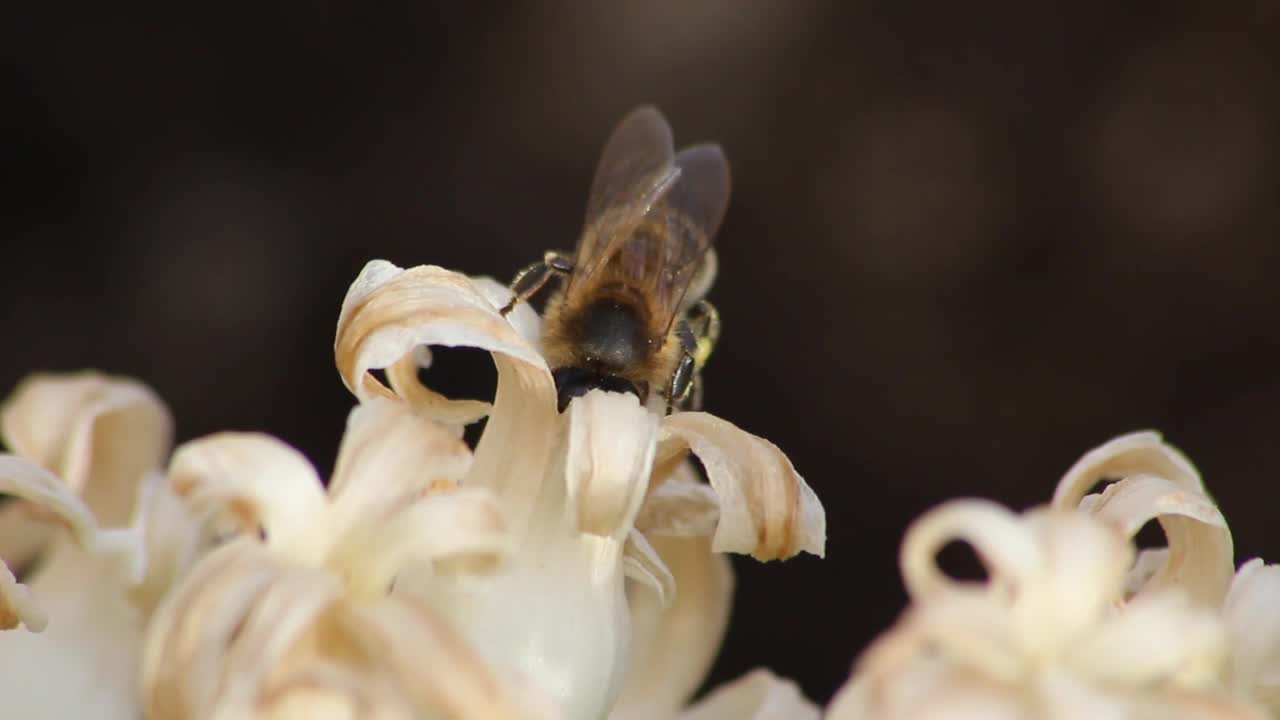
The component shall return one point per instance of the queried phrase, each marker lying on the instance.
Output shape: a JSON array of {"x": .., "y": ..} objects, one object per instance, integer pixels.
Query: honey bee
[{"x": 631, "y": 314}]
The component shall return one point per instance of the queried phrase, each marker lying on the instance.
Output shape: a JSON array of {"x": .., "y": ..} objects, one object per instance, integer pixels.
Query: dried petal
[
  {"x": 758, "y": 695},
  {"x": 40, "y": 488},
  {"x": 673, "y": 645},
  {"x": 402, "y": 376},
  {"x": 611, "y": 445},
  {"x": 441, "y": 534},
  {"x": 1159, "y": 638},
  {"x": 259, "y": 481},
  {"x": 766, "y": 509},
  {"x": 1200, "y": 552},
  {"x": 99, "y": 433},
  {"x": 642, "y": 564},
  {"x": 1253, "y": 625},
  {"x": 1139, "y": 453},
  {"x": 328, "y": 690},
  {"x": 17, "y": 605},
  {"x": 216, "y": 640},
  {"x": 390, "y": 456},
  {"x": 681, "y": 508},
  {"x": 389, "y": 312}
]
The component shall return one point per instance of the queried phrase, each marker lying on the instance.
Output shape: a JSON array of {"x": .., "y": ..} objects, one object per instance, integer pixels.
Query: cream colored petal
[
  {"x": 1252, "y": 615},
  {"x": 611, "y": 445},
  {"x": 326, "y": 690},
  {"x": 1140, "y": 453},
  {"x": 173, "y": 540},
  {"x": 758, "y": 695},
  {"x": 461, "y": 531},
  {"x": 766, "y": 509},
  {"x": 388, "y": 312},
  {"x": 216, "y": 641},
  {"x": 1157, "y": 639},
  {"x": 1004, "y": 543},
  {"x": 97, "y": 432},
  {"x": 44, "y": 491},
  {"x": 1149, "y": 562},
  {"x": 23, "y": 533},
  {"x": 673, "y": 645},
  {"x": 923, "y": 694},
  {"x": 402, "y": 375},
  {"x": 642, "y": 565},
  {"x": 435, "y": 665},
  {"x": 390, "y": 456},
  {"x": 1200, "y": 550},
  {"x": 680, "y": 504},
  {"x": 17, "y": 606},
  {"x": 260, "y": 482}
]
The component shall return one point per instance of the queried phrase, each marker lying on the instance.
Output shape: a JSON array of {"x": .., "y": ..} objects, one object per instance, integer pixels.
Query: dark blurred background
[{"x": 968, "y": 241}]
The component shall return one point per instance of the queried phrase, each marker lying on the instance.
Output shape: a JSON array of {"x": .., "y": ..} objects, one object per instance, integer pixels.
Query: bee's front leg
[
  {"x": 531, "y": 279},
  {"x": 698, "y": 332}
]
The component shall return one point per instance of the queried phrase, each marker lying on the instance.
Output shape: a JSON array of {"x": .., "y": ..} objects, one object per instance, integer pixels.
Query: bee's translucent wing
[
  {"x": 691, "y": 211},
  {"x": 664, "y": 251},
  {"x": 635, "y": 170}
]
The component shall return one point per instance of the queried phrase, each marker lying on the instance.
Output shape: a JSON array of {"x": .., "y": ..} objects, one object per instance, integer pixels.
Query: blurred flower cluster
[
  {"x": 1072, "y": 621},
  {"x": 570, "y": 566}
]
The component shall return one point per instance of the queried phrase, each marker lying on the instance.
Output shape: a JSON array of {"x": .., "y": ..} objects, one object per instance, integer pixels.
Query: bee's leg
[
  {"x": 531, "y": 279},
  {"x": 704, "y": 324},
  {"x": 698, "y": 332},
  {"x": 682, "y": 380}
]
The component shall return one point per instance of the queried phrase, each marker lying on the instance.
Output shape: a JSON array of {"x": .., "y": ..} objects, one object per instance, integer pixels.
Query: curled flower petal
[
  {"x": 1139, "y": 453},
  {"x": 758, "y": 695},
  {"x": 611, "y": 446},
  {"x": 766, "y": 509},
  {"x": 1159, "y": 638},
  {"x": 642, "y": 564},
  {"x": 37, "y": 486},
  {"x": 1253, "y": 625},
  {"x": 674, "y": 643},
  {"x": 388, "y": 312},
  {"x": 458, "y": 531},
  {"x": 214, "y": 643},
  {"x": 402, "y": 375},
  {"x": 999, "y": 538},
  {"x": 680, "y": 507},
  {"x": 99, "y": 433},
  {"x": 392, "y": 455},
  {"x": 173, "y": 536},
  {"x": 259, "y": 481},
  {"x": 1200, "y": 549}
]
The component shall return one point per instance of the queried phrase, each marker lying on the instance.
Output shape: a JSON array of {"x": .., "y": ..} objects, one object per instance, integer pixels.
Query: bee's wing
[
  {"x": 635, "y": 170},
  {"x": 691, "y": 212},
  {"x": 665, "y": 250}
]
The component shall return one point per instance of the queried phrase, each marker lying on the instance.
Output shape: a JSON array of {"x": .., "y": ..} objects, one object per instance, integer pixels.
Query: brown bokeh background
[{"x": 968, "y": 241}]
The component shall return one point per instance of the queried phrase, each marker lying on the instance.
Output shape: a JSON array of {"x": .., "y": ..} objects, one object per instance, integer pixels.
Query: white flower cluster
[{"x": 570, "y": 567}]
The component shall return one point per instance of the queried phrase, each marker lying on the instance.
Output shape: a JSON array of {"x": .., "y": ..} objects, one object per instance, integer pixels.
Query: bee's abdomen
[{"x": 612, "y": 335}]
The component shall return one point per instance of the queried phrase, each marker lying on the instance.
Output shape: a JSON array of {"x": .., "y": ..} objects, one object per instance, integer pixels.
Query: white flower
[
  {"x": 606, "y": 518},
  {"x": 98, "y": 533},
  {"x": 1067, "y": 625}
]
